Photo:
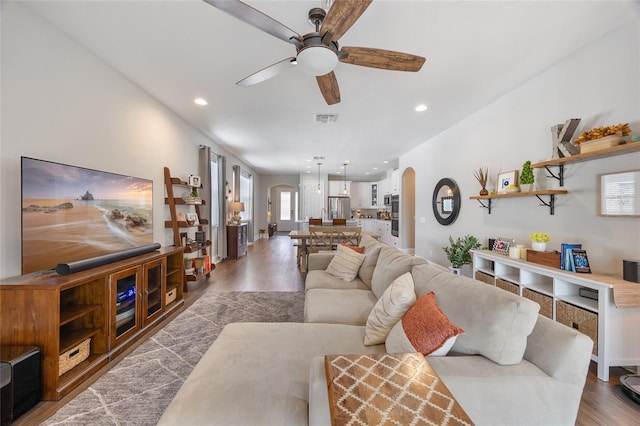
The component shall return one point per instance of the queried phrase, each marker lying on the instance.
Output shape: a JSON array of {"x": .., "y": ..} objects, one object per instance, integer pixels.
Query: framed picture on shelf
[
  {"x": 505, "y": 179},
  {"x": 192, "y": 219},
  {"x": 501, "y": 246},
  {"x": 194, "y": 181}
]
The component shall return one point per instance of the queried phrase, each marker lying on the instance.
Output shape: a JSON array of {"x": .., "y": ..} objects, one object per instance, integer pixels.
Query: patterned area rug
[{"x": 138, "y": 389}]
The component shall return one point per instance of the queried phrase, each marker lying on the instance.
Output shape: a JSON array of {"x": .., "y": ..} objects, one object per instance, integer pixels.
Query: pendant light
[
  {"x": 344, "y": 191},
  {"x": 319, "y": 190}
]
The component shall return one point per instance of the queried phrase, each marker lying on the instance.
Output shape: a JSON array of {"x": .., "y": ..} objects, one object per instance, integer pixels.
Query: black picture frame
[{"x": 446, "y": 201}]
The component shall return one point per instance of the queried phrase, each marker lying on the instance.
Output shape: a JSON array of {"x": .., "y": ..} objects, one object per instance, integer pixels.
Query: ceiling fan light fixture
[{"x": 317, "y": 60}]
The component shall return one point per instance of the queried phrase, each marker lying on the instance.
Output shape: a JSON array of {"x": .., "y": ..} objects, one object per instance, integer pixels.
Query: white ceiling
[{"x": 476, "y": 51}]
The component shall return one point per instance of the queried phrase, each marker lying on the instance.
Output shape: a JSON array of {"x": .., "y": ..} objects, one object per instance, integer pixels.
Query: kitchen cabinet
[
  {"x": 383, "y": 188},
  {"x": 361, "y": 195},
  {"x": 312, "y": 201},
  {"x": 394, "y": 182},
  {"x": 336, "y": 188}
]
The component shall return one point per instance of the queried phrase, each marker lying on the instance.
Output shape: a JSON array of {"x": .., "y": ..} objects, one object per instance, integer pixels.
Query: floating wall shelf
[
  {"x": 551, "y": 193},
  {"x": 603, "y": 153}
]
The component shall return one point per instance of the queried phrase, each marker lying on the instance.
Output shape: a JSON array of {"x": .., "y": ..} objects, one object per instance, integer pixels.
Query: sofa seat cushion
[
  {"x": 496, "y": 322},
  {"x": 323, "y": 279},
  {"x": 519, "y": 394},
  {"x": 258, "y": 372},
  {"x": 391, "y": 264},
  {"x": 338, "y": 306}
]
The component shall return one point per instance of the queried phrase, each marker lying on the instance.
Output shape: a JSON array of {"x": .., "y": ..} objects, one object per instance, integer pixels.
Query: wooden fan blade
[
  {"x": 342, "y": 15},
  {"x": 329, "y": 87},
  {"x": 267, "y": 73},
  {"x": 257, "y": 19},
  {"x": 383, "y": 59}
]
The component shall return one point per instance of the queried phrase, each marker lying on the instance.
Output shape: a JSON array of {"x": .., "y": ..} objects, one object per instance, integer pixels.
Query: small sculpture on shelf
[{"x": 482, "y": 175}]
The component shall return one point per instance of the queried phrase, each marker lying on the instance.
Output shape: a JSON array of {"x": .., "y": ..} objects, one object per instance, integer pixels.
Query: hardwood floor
[{"x": 271, "y": 266}]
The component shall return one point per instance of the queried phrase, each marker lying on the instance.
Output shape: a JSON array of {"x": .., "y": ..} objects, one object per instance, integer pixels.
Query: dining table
[{"x": 303, "y": 237}]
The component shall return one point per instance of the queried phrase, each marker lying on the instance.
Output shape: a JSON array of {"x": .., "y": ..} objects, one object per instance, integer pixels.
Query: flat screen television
[{"x": 72, "y": 213}]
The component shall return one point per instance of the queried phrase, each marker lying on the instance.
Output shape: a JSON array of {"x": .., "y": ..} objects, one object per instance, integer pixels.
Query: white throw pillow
[
  {"x": 389, "y": 309},
  {"x": 345, "y": 264}
]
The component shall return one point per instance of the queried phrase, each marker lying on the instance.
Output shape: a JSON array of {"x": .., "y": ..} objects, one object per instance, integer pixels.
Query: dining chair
[
  {"x": 315, "y": 221},
  {"x": 339, "y": 222},
  {"x": 320, "y": 239},
  {"x": 350, "y": 235}
]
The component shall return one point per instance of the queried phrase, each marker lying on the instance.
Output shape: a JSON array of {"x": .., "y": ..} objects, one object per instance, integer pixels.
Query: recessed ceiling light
[
  {"x": 200, "y": 101},
  {"x": 375, "y": 168},
  {"x": 366, "y": 173},
  {"x": 421, "y": 107},
  {"x": 385, "y": 162}
]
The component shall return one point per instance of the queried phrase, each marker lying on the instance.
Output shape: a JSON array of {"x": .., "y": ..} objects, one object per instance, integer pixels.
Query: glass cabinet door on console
[
  {"x": 125, "y": 308},
  {"x": 154, "y": 283}
]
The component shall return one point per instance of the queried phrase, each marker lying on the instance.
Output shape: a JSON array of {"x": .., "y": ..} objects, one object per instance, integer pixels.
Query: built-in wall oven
[
  {"x": 387, "y": 200},
  {"x": 395, "y": 215}
]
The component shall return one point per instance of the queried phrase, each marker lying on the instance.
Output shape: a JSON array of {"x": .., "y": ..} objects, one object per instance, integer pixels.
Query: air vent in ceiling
[{"x": 326, "y": 118}]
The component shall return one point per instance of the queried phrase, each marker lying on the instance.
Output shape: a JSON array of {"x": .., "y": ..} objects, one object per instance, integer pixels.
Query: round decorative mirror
[{"x": 446, "y": 201}]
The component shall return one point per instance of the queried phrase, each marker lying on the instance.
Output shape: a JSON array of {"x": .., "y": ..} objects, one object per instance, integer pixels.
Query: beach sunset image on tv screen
[{"x": 71, "y": 213}]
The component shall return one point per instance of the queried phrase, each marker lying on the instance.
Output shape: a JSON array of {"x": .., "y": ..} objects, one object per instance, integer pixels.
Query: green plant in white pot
[
  {"x": 526, "y": 177},
  {"x": 458, "y": 251}
]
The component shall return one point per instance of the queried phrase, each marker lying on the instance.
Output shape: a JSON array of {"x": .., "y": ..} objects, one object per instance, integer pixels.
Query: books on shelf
[
  {"x": 580, "y": 261},
  {"x": 565, "y": 258}
]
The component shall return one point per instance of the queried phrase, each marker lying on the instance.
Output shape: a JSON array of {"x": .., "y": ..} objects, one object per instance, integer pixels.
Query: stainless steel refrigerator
[{"x": 339, "y": 207}]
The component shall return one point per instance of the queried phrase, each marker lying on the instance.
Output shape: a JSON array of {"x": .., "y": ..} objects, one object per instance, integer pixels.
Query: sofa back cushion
[
  {"x": 391, "y": 264},
  {"x": 496, "y": 322},
  {"x": 372, "y": 249}
]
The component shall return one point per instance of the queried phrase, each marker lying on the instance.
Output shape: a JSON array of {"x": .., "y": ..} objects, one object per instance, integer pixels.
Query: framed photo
[
  {"x": 505, "y": 179},
  {"x": 192, "y": 219},
  {"x": 194, "y": 181},
  {"x": 501, "y": 245}
]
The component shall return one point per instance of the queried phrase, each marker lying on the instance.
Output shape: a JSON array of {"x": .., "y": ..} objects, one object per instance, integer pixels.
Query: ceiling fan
[{"x": 318, "y": 52}]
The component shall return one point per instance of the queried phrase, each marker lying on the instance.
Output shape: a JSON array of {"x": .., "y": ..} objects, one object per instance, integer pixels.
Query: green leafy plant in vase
[
  {"x": 526, "y": 177},
  {"x": 458, "y": 251}
]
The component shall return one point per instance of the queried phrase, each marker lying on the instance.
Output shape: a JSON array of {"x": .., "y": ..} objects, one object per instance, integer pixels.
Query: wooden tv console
[{"x": 113, "y": 305}]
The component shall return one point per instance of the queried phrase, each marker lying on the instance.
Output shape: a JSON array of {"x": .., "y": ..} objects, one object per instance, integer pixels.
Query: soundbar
[{"x": 81, "y": 265}]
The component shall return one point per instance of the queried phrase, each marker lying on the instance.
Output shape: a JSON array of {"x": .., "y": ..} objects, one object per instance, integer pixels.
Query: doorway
[{"x": 284, "y": 207}]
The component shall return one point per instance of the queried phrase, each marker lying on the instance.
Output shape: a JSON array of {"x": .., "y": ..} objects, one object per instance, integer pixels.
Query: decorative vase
[
  {"x": 539, "y": 246},
  {"x": 484, "y": 191},
  {"x": 455, "y": 271},
  {"x": 526, "y": 187}
]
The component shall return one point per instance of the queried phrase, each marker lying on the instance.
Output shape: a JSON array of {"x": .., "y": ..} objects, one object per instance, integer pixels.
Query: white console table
[{"x": 616, "y": 310}]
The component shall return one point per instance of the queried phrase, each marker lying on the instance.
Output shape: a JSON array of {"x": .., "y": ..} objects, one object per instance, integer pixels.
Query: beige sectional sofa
[{"x": 511, "y": 366}]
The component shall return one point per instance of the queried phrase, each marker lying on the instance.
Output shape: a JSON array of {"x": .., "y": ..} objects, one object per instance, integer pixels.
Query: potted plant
[
  {"x": 539, "y": 241},
  {"x": 458, "y": 252},
  {"x": 526, "y": 177}
]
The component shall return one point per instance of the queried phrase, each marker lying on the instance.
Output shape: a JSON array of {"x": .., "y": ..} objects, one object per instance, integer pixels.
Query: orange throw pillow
[
  {"x": 354, "y": 248},
  {"x": 424, "y": 328}
]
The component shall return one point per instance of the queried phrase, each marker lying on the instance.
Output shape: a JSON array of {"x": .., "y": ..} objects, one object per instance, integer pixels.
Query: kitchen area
[{"x": 373, "y": 206}]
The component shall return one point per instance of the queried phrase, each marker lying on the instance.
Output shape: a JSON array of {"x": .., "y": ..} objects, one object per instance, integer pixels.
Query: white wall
[
  {"x": 599, "y": 84},
  {"x": 61, "y": 103}
]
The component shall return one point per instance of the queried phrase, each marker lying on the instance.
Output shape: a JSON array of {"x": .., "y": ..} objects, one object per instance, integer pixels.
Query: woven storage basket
[
  {"x": 545, "y": 302},
  {"x": 74, "y": 356},
  {"x": 506, "y": 285},
  {"x": 171, "y": 296},
  {"x": 485, "y": 278},
  {"x": 582, "y": 320}
]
